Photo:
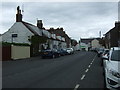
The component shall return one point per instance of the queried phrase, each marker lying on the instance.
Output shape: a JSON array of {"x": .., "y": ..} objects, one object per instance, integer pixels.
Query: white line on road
[
  {"x": 92, "y": 61},
  {"x": 94, "y": 57},
  {"x": 82, "y": 77},
  {"x": 89, "y": 66},
  {"x": 86, "y": 70},
  {"x": 76, "y": 87}
]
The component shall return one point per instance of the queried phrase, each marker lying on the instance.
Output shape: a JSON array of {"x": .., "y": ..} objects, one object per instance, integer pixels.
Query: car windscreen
[
  {"x": 115, "y": 55},
  {"x": 106, "y": 51}
]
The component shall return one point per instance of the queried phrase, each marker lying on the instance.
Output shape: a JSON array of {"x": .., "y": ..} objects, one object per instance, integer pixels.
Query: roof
[
  {"x": 88, "y": 40},
  {"x": 58, "y": 32},
  {"x": 34, "y": 29},
  {"x": 117, "y": 25}
]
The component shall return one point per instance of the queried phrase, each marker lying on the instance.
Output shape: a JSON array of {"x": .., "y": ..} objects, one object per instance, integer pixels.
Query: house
[
  {"x": 112, "y": 37},
  {"x": 22, "y": 32},
  {"x": 87, "y": 43},
  {"x": 34, "y": 35},
  {"x": 75, "y": 45},
  {"x": 66, "y": 41},
  {"x": 95, "y": 43}
]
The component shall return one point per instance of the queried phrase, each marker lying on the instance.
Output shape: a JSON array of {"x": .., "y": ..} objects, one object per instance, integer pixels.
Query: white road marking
[
  {"x": 82, "y": 77},
  {"x": 92, "y": 61},
  {"x": 86, "y": 70},
  {"x": 76, "y": 87},
  {"x": 89, "y": 66},
  {"x": 94, "y": 57}
]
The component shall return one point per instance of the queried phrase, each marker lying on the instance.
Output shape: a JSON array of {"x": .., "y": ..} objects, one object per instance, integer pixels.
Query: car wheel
[{"x": 53, "y": 56}]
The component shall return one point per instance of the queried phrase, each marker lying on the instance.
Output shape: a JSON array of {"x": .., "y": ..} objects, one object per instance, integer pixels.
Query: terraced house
[
  {"x": 34, "y": 35},
  {"x": 112, "y": 37}
]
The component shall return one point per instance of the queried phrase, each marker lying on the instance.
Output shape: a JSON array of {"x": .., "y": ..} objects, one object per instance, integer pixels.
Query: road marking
[
  {"x": 94, "y": 57},
  {"x": 82, "y": 77},
  {"x": 92, "y": 61},
  {"x": 76, "y": 87},
  {"x": 86, "y": 70},
  {"x": 89, "y": 66}
]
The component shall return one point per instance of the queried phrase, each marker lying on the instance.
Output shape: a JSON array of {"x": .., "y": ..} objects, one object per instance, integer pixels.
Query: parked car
[
  {"x": 112, "y": 69},
  {"x": 104, "y": 55},
  {"x": 62, "y": 52},
  {"x": 70, "y": 50},
  {"x": 50, "y": 53},
  {"x": 93, "y": 49},
  {"x": 100, "y": 51}
]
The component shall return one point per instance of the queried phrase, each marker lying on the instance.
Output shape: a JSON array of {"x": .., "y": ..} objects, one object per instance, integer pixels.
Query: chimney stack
[
  {"x": 18, "y": 15},
  {"x": 39, "y": 24},
  {"x": 117, "y": 23}
]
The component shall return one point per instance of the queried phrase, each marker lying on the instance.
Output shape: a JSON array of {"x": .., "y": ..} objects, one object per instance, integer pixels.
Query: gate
[{"x": 6, "y": 53}]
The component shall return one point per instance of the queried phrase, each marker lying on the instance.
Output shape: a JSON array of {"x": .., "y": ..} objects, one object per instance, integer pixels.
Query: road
[{"x": 79, "y": 70}]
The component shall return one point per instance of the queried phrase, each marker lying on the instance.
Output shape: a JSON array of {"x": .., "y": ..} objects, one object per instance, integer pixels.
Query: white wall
[
  {"x": 21, "y": 30},
  {"x": 77, "y": 47},
  {"x": 95, "y": 44},
  {"x": 54, "y": 44},
  {"x": 63, "y": 45}
]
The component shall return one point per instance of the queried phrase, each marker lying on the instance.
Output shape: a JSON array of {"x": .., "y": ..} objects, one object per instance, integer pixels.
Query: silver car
[
  {"x": 112, "y": 69},
  {"x": 70, "y": 50}
]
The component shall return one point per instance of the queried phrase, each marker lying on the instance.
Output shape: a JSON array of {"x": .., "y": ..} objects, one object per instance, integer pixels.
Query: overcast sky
[{"x": 79, "y": 19}]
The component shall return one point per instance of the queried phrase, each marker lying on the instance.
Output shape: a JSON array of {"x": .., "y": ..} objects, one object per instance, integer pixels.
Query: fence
[
  {"x": 15, "y": 52},
  {"x": 20, "y": 52},
  {"x": 6, "y": 53}
]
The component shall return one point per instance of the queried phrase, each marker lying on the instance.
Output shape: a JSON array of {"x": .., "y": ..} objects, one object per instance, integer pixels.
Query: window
[
  {"x": 14, "y": 35},
  {"x": 115, "y": 55}
]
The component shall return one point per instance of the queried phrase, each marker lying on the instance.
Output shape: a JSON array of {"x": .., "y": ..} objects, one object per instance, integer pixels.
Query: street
[{"x": 79, "y": 70}]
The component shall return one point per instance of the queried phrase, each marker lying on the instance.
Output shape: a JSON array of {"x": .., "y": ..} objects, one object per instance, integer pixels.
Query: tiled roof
[{"x": 34, "y": 29}]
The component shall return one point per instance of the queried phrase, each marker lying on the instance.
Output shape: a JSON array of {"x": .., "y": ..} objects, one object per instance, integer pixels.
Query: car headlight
[{"x": 114, "y": 73}]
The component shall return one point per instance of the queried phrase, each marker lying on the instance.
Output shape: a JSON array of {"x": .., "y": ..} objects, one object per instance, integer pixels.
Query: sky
[{"x": 79, "y": 19}]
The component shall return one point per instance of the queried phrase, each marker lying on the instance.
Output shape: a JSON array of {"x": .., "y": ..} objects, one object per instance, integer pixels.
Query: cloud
[{"x": 79, "y": 19}]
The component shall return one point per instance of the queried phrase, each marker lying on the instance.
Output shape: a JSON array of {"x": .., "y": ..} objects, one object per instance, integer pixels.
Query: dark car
[
  {"x": 100, "y": 51},
  {"x": 104, "y": 55},
  {"x": 63, "y": 52},
  {"x": 50, "y": 53}
]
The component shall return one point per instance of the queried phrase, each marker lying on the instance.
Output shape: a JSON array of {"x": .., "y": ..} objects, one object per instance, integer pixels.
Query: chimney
[
  {"x": 61, "y": 28},
  {"x": 18, "y": 15},
  {"x": 117, "y": 23},
  {"x": 39, "y": 24}
]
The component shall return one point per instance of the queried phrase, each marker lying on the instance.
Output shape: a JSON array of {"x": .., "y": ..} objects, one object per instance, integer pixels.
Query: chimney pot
[
  {"x": 18, "y": 15},
  {"x": 39, "y": 24},
  {"x": 117, "y": 23}
]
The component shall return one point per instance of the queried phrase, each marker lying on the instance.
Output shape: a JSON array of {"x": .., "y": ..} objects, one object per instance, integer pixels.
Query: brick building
[{"x": 112, "y": 37}]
